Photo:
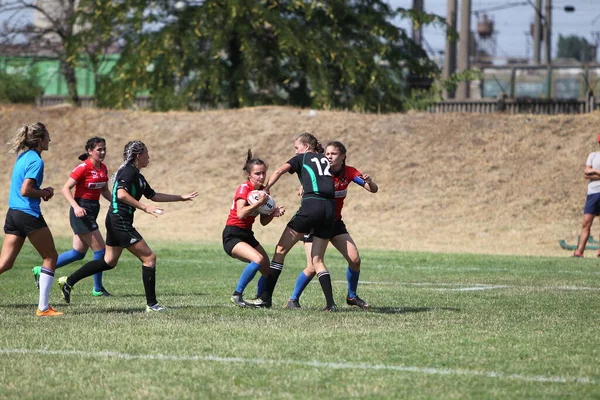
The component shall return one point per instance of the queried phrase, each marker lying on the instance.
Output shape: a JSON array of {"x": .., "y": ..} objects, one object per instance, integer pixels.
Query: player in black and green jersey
[
  {"x": 129, "y": 186},
  {"x": 316, "y": 215}
]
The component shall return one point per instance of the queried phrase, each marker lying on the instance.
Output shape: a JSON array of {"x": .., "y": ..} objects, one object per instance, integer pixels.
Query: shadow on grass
[
  {"x": 160, "y": 294},
  {"x": 135, "y": 310},
  {"x": 19, "y": 305},
  {"x": 406, "y": 310}
]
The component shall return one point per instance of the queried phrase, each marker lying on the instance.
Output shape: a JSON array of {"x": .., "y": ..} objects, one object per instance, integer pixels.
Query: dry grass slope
[{"x": 449, "y": 183}]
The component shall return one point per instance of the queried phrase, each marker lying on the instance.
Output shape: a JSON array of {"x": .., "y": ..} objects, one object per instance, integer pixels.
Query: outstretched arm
[
  {"x": 166, "y": 198},
  {"x": 276, "y": 175},
  {"x": 128, "y": 199}
]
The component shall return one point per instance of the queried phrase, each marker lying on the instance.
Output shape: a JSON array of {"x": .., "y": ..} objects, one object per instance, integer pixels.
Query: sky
[{"x": 512, "y": 23}]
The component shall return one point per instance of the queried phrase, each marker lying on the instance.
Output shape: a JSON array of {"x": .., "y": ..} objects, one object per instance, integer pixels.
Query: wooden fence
[
  {"x": 517, "y": 106},
  {"x": 502, "y": 105}
]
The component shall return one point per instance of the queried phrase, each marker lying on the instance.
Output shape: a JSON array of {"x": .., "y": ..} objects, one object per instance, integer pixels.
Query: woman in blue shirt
[{"x": 24, "y": 217}]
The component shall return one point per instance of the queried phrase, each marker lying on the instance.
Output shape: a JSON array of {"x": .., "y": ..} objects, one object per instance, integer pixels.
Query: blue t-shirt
[{"x": 29, "y": 165}]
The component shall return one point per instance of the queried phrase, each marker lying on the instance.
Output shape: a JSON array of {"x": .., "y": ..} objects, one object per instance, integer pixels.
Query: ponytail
[
  {"x": 250, "y": 162},
  {"x": 28, "y": 137}
]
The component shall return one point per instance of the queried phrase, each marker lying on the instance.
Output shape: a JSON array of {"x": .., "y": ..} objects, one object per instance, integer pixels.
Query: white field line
[
  {"x": 192, "y": 261},
  {"x": 312, "y": 364},
  {"x": 474, "y": 286},
  {"x": 484, "y": 269}
]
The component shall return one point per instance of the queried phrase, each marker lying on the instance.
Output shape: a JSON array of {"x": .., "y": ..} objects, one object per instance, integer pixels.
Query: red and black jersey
[
  {"x": 241, "y": 193},
  {"x": 341, "y": 182},
  {"x": 90, "y": 180}
]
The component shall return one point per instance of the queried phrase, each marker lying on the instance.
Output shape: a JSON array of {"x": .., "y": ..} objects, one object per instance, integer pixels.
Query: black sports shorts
[
  {"x": 120, "y": 231},
  {"x": 233, "y": 235},
  {"x": 339, "y": 228},
  {"x": 21, "y": 224},
  {"x": 87, "y": 223},
  {"x": 314, "y": 215}
]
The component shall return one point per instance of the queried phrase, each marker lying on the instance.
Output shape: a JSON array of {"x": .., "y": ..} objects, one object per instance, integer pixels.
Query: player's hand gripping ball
[{"x": 267, "y": 207}]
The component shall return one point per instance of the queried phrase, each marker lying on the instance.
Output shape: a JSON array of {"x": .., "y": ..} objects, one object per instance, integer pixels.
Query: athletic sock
[
  {"x": 325, "y": 281},
  {"x": 247, "y": 275},
  {"x": 98, "y": 255},
  {"x": 274, "y": 272},
  {"x": 352, "y": 278},
  {"x": 68, "y": 257},
  {"x": 89, "y": 269},
  {"x": 301, "y": 282},
  {"x": 46, "y": 279},
  {"x": 261, "y": 285},
  {"x": 149, "y": 279}
]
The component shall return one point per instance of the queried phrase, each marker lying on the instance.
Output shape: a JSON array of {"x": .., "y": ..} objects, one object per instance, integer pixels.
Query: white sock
[{"x": 46, "y": 280}]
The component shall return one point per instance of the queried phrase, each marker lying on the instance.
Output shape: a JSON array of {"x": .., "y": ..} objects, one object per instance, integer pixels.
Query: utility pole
[
  {"x": 596, "y": 36},
  {"x": 548, "y": 33},
  {"x": 537, "y": 32},
  {"x": 450, "y": 53},
  {"x": 417, "y": 33},
  {"x": 464, "y": 46}
]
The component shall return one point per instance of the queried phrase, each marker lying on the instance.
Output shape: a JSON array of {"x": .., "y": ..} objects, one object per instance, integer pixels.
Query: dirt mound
[{"x": 448, "y": 182}]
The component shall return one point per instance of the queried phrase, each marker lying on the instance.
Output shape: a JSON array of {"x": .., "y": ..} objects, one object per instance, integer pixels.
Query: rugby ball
[{"x": 266, "y": 208}]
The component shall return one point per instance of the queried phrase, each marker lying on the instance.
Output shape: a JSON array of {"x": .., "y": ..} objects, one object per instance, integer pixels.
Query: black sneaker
[
  {"x": 259, "y": 303},
  {"x": 293, "y": 305},
  {"x": 65, "y": 288},
  {"x": 332, "y": 308},
  {"x": 238, "y": 300},
  {"x": 358, "y": 302}
]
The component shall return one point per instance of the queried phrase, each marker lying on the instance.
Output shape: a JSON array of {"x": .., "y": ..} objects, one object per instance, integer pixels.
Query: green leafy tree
[
  {"x": 235, "y": 53},
  {"x": 576, "y": 47}
]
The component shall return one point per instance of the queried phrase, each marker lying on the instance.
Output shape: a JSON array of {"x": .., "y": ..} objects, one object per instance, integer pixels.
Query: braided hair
[
  {"x": 130, "y": 152},
  {"x": 90, "y": 145},
  {"x": 28, "y": 136}
]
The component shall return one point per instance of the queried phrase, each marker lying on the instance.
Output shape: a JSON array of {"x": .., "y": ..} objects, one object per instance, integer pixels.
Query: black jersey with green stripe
[
  {"x": 314, "y": 175},
  {"x": 129, "y": 179}
]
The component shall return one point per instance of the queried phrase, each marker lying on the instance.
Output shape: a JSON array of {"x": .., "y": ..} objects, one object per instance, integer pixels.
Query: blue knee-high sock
[
  {"x": 98, "y": 277},
  {"x": 301, "y": 283},
  {"x": 246, "y": 276},
  {"x": 352, "y": 277},
  {"x": 261, "y": 285},
  {"x": 68, "y": 257}
]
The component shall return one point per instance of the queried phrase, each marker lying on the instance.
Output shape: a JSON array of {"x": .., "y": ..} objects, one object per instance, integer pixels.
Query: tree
[
  {"x": 575, "y": 47},
  {"x": 78, "y": 33},
  {"x": 235, "y": 53},
  {"x": 54, "y": 34}
]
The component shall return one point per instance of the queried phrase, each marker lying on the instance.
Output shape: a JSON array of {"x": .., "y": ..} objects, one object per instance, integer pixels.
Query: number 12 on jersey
[{"x": 319, "y": 162}]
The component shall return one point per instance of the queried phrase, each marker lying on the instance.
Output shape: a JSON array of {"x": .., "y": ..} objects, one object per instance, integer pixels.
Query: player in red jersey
[
  {"x": 90, "y": 181},
  {"x": 238, "y": 238},
  {"x": 343, "y": 175}
]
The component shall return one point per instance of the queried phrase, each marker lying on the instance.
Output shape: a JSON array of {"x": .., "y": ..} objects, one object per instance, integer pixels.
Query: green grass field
[{"x": 441, "y": 326}]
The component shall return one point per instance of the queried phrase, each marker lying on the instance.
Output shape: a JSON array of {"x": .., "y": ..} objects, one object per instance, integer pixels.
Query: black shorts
[
  {"x": 120, "y": 231},
  {"x": 314, "y": 216},
  {"x": 21, "y": 224},
  {"x": 339, "y": 228},
  {"x": 87, "y": 223},
  {"x": 232, "y": 235}
]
